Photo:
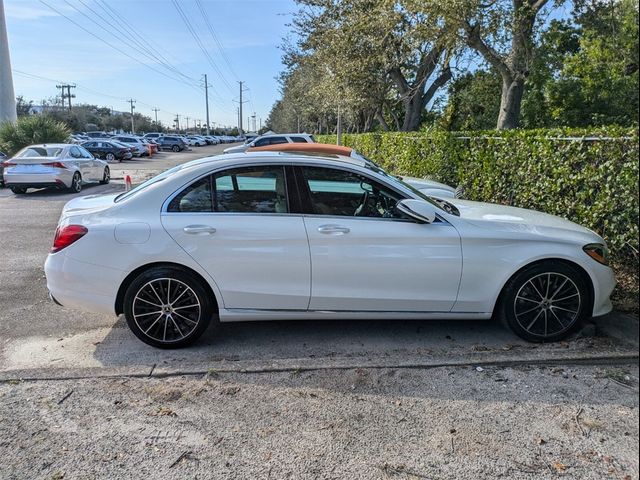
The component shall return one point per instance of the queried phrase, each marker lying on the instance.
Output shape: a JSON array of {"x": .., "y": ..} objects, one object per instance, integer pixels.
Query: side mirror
[{"x": 420, "y": 211}]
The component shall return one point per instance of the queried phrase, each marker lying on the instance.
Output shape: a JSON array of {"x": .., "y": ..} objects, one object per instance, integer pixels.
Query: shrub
[
  {"x": 30, "y": 130},
  {"x": 587, "y": 176}
]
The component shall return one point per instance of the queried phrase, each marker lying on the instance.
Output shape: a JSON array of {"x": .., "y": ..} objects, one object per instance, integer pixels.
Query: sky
[{"x": 116, "y": 50}]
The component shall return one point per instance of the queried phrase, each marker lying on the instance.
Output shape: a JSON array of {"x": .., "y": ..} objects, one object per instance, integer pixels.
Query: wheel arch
[
  {"x": 576, "y": 266},
  {"x": 119, "y": 303}
]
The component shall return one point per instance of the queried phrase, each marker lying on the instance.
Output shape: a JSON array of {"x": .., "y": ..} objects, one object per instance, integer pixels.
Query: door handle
[
  {"x": 199, "y": 230},
  {"x": 333, "y": 229}
]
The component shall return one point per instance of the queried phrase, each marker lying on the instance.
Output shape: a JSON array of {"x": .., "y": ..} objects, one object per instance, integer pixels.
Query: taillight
[
  {"x": 8, "y": 164},
  {"x": 67, "y": 235},
  {"x": 122, "y": 152},
  {"x": 54, "y": 165}
]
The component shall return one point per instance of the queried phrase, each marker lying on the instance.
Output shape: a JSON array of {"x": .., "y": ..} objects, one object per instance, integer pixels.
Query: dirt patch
[{"x": 463, "y": 423}]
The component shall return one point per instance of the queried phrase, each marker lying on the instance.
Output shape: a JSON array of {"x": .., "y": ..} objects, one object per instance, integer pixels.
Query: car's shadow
[{"x": 312, "y": 341}]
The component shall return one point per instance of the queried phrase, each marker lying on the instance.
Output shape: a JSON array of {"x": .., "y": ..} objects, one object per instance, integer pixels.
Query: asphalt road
[{"x": 35, "y": 334}]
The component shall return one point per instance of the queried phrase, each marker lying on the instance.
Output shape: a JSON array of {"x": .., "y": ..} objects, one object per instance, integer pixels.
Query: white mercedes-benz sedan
[{"x": 283, "y": 236}]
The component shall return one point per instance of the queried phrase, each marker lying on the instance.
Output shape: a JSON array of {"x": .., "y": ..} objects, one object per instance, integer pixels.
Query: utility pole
[
  {"x": 177, "y": 123},
  {"x": 187, "y": 124},
  {"x": 155, "y": 110},
  {"x": 206, "y": 99},
  {"x": 240, "y": 129},
  {"x": 133, "y": 128},
  {"x": 67, "y": 95},
  {"x": 339, "y": 128},
  {"x": 253, "y": 118},
  {"x": 7, "y": 93}
]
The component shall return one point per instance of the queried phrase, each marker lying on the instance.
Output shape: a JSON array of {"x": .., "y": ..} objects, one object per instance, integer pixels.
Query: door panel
[
  {"x": 236, "y": 225},
  {"x": 366, "y": 256},
  {"x": 383, "y": 265},
  {"x": 258, "y": 261}
]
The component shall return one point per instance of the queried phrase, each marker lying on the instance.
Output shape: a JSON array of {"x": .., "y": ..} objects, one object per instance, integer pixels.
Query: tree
[
  {"x": 503, "y": 32},
  {"x": 473, "y": 101},
  {"x": 29, "y": 130},
  {"x": 598, "y": 82},
  {"x": 22, "y": 106},
  {"x": 365, "y": 56}
]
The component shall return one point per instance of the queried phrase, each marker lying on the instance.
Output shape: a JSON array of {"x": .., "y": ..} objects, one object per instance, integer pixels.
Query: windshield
[
  {"x": 374, "y": 167},
  {"x": 39, "y": 152}
]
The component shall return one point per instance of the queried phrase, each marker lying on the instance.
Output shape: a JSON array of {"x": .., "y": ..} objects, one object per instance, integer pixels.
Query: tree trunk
[
  {"x": 412, "y": 113},
  {"x": 510, "y": 102},
  {"x": 383, "y": 123}
]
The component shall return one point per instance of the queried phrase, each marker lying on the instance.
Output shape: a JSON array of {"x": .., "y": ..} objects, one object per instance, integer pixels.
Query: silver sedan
[{"x": 57, "y": 165}]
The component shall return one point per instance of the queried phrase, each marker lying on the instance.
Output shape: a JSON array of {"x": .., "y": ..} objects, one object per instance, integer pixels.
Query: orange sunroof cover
[{"x": 324, "y": 148}]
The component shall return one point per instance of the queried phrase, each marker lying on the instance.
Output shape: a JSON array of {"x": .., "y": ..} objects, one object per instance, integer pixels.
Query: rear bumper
[
  {"x": 38, "y": 180},
  {"x": 80, "y": 285}
]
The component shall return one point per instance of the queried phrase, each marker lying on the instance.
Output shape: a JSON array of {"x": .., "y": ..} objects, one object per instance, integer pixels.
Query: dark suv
[{"x": 167, "y": 142}]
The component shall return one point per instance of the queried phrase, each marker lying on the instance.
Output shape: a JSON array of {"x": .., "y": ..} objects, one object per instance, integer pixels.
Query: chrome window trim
[{"x": 295, "y": 163}]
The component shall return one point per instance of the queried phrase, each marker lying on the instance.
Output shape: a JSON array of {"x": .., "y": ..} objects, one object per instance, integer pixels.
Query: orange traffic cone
[{"x": 127, "y": 182}]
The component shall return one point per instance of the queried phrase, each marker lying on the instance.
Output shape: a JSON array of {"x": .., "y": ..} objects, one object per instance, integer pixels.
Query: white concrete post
[{"x": 7, "y": 94}]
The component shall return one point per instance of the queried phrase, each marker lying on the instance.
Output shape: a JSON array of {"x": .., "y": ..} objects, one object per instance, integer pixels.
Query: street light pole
[{"x": 7, "y": 94}]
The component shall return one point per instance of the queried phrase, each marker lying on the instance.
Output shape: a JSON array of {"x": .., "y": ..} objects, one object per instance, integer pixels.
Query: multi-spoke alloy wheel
[
  {"x": 544, "y": 302},
  {"x": 167, "y": 308},
  {"x": 547, "y": 304}
]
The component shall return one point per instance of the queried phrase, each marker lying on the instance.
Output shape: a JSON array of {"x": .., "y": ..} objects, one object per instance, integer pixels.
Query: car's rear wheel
[
  {"x": 545, "y": 302},
  {"x": 167, "y": 308},
  {"x": 76, "y": 183},
  {"x": 106, "y": 176},
  {"x": 175, "y": 148},
  {"x": 18, "y": 190},
  {"x": 110, "y": 157}
]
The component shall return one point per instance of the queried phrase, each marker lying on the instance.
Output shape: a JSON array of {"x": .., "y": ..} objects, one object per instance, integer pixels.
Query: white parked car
[
  {"x": 272, "y": 139},
  {"x": 58, "y": 165},
  {"x": 283, "y": 236}
]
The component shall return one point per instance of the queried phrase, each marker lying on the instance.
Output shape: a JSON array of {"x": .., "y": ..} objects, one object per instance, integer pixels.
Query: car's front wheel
[
  {"x": 175, "y": 148},
  {"x": 545, "y": 301},
  {"x": 167, "y": 308}
]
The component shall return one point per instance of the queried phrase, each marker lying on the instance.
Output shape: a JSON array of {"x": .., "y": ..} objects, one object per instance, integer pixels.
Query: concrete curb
[{"x": 484, "y": 359}]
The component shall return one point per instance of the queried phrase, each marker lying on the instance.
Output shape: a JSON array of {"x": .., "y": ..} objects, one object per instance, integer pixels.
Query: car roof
[
  {"x": 324, "y": 148},
  {"x": 232, "y": 159}
]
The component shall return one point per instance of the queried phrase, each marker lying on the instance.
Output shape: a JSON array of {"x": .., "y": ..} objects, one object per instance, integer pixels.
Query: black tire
[
  {"x": 110, "y": 157},
  {"x": 76, "y": 183},
  {"x": 545, "y": 302},
  {"x": 106, "y": 176},
  {"x": 18, "y": 190},
  {"x": 148, "y": 324},
  {"x": 175, "y": 148}
]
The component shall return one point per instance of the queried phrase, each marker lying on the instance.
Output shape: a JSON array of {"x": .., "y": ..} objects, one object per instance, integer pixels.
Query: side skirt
[{"x": 248, "y": 315}]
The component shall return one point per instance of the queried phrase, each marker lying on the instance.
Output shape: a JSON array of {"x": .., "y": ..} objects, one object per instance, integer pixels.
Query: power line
[
  {"x": 126, "y": 28},
  {"x": 153, "y": 56},
  {"x": 215, "y": 37},
  {"x": 206, "y": 53},
  {"x": 83, "y": 88},
  {"x": 112, "y": 45}
]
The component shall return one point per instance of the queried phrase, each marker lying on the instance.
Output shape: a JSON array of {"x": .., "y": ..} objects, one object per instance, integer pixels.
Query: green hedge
[{"x": 588, "y": 176}]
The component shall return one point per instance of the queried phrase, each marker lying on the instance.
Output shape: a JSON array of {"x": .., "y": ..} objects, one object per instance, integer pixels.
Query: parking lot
[{"x": 382, "y": 379}]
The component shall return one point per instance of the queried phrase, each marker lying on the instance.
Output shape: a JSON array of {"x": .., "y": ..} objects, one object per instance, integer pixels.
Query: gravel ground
[{"x": 576, "y": 422}]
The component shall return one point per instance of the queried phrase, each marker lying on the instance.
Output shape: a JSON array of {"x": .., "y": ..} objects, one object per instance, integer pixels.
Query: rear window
[
  {"x": 299, "y": 140},
  {"x": 39, "y": 152}
]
